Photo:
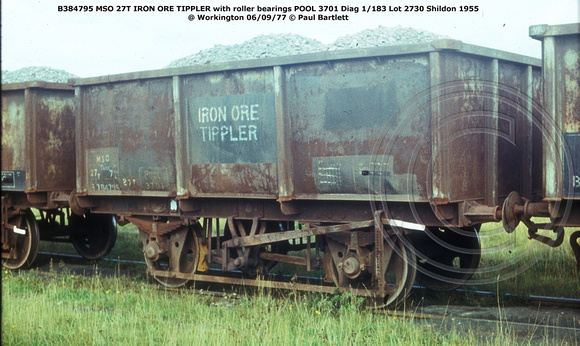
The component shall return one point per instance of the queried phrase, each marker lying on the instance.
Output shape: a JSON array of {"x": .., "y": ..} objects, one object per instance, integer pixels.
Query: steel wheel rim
[
  {"x": 399, "y": 272},
  {"x": 442, "y": 272},
  {"x": 27, "y": 244},
  {"x": 96, "y": 237}
]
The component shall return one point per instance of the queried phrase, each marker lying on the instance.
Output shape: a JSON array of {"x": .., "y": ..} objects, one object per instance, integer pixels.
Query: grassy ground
[
  {"x": 512, "y": 263},
  {"x": 61, "y": 308}
]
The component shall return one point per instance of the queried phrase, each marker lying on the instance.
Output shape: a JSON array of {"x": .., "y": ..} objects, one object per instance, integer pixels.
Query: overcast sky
[{"x": 35, "y": 33}]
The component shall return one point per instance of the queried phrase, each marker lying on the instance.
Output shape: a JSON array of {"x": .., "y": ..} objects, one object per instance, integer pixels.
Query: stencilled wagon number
[
  {"x": 103, "y": 169},
  {"x": 576, "y": 181},
  {"x": 128, "y": 182},
  {"x": 155, "y": 186}
]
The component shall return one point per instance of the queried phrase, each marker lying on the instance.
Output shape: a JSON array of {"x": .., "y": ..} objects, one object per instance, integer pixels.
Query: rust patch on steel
[
  {"x": 252, "y": 179},
  {"x": 571, "y": 68},
  {"x": 38, "y": 135},
  {"x": 352, "y": 109},
  {"x": 137, "y": 118},
  {"x": 55, "y": 141}
]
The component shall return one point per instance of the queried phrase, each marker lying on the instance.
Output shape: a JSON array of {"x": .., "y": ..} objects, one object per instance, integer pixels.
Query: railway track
[
  {"x": 293, "y": 282},
  {"x": 82, "y": 258},
  {"x": 548, "y": 325}
]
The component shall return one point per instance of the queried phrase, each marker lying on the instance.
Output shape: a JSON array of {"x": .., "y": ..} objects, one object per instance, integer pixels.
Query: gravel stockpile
[
  {"x": 383, "y": 36},
  {"x": 264, "y": 46},
  {"x": 35, "y": 73}
]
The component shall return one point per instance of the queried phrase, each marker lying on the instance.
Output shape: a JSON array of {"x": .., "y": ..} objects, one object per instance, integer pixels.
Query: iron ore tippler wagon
[{"x": 380, "y": 162}]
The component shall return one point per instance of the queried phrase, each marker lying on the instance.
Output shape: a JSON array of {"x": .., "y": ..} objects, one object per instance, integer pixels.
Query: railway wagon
[
  {"x": 38, "y": 171},
  {"x": 376, "y": 165},
  {"x": 561, "y": 144}
]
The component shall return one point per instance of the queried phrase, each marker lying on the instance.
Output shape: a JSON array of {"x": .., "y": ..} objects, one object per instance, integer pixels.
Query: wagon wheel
[
  {"x": 449, "y": 257},
  {"x": 399, "y": 271},
  {"x": 94, "y": 235},
  {"x": 332, "y": 273},
  {"x": 182, "y": 256},
  {"x": 26, "y": 245}
]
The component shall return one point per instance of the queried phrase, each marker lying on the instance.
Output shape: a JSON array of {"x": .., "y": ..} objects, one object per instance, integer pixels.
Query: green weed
[{"x": 62, "y": 308}]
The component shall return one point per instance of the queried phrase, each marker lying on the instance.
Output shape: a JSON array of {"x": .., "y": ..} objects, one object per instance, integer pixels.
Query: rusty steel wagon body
[
  {"x": 561, "y": 144},
  {"x": 39, "y": 171},
  {"x": 377, "y": 165},
  {"x": 367, "y": 159}
]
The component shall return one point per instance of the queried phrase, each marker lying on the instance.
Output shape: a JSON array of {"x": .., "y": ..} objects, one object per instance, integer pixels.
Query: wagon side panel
[
  {"x": 230, "y": 134},
  {"x": 357, "y": 132},
  {"x": 126, "y": 144},
  {"x": 54, "y": 122}
]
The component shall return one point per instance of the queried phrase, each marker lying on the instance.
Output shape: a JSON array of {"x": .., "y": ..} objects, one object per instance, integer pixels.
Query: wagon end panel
[
  {"x": 483, "y": 125},
  {"x": 561, "y": 75},
  {"x": 519, "y": 124},
  {"x": 13, "y": 140},
  {"x": 463, "y": 148},
  {"x": 565, "y": 104}
]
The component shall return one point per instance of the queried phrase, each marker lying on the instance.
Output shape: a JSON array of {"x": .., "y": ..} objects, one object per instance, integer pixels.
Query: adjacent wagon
[{"x": 39, "y": 171}]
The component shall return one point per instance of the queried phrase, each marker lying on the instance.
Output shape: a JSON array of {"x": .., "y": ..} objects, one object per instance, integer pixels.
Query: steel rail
[
  {"x": 292, "y": 282},
  {"x": 81, "y": 257}
]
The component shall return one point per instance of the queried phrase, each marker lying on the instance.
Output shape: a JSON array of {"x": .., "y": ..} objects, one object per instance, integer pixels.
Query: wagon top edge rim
[
  {"x": 445, "y": 44},
  {"x": 544, "y": 30},
  {"x": 38, "y": 84}
]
